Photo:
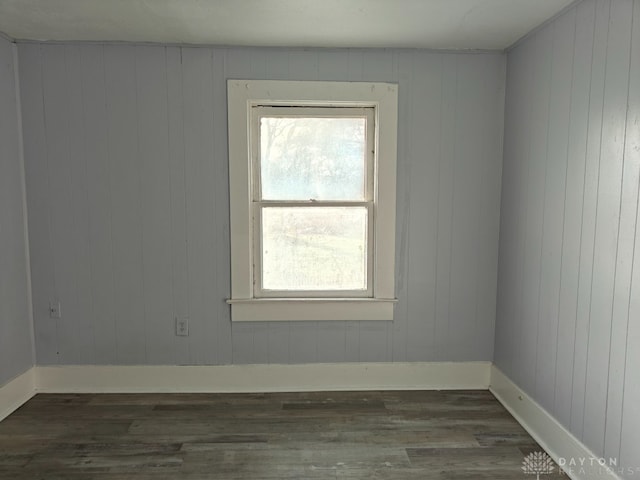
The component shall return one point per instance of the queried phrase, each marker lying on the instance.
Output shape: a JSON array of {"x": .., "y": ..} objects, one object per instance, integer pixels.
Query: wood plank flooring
[{"x": 330, "y": 435}]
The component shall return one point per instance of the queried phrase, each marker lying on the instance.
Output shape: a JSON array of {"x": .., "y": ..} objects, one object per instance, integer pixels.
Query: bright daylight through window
[
  {"x": 312, "y": 200},
  {"x": 312, "y": 181}
]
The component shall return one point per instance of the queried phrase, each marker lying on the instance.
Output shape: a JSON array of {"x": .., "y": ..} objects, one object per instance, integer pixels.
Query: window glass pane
[
  {"x": 312, "y": 158},
  {"x": 314, "y": 248}
]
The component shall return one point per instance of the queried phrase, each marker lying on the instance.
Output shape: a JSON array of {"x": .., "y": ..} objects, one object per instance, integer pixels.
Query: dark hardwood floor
[{"x": 336, "y": 435}]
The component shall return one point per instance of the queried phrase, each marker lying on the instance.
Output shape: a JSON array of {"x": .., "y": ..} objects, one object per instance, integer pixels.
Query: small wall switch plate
[
  {"x": 54, "y": 309},
  {"x": 182, "y": 327}
]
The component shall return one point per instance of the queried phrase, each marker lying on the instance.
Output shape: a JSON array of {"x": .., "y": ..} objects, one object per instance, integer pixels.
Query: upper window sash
[{"x": 283, "y": 111}]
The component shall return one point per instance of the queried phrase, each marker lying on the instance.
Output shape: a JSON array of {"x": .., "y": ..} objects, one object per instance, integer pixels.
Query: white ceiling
[{"x": 437, "y": 24}]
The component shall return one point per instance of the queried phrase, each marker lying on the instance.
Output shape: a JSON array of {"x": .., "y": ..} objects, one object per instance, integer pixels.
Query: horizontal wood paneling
[
  {"x": 567, "y": 320},
  {"x": 129, "y": 199},
  {"x": 16, "y": 343}
]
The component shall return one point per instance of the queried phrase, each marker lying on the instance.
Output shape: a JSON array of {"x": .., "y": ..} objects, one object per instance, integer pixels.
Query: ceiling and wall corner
[{"x": 433, "y": 24}]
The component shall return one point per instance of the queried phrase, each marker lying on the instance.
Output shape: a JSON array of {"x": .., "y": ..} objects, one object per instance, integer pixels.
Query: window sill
[{"x": 309, "y": 309}]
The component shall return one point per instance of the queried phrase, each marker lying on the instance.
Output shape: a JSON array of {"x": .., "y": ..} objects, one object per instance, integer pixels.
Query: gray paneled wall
[
  {"x": 568, "y": 323},
  {"x": 16, "y": 342},
  {"x": 127, "y": 175}
]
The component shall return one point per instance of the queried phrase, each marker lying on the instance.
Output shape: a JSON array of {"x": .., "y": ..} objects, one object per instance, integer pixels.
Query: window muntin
[{"x": 313, "y": 201}]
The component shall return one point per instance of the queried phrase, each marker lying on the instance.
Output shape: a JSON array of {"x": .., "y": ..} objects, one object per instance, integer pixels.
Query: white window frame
[{"x": 246, "y": 302}]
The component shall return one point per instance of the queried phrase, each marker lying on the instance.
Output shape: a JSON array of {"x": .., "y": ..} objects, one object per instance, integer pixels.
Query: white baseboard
[
  {"x": 264, "y": 378},
  {"x": 17, "y": 392},
  {"x": 578, "y": 462}
]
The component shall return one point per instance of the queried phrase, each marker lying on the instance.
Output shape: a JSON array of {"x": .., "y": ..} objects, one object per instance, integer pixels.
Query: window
[
  {"x": 312, "y": 201},
  {"x": 312, "y": 182}
]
